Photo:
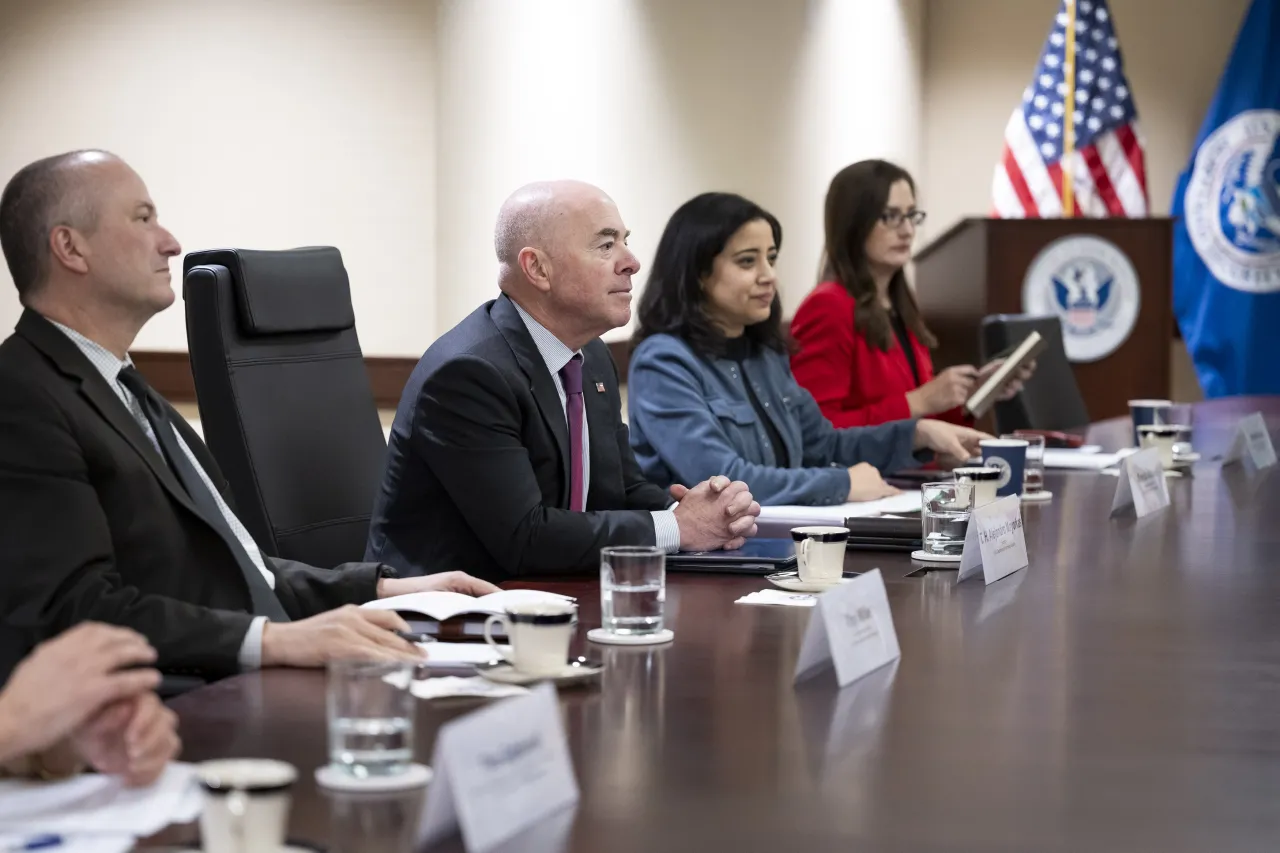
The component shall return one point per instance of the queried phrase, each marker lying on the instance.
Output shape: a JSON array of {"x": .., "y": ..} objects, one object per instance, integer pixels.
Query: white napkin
[
  {"x": 777, "y": 596},
  {"x": 449, "y": 685}
]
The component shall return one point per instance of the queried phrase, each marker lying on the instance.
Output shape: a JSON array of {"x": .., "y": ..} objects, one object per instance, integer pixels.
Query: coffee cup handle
[
  {"x": 488, "y": 635},
  {"x": 802, "y": 553},
  {"x": 237, "y": 807}
]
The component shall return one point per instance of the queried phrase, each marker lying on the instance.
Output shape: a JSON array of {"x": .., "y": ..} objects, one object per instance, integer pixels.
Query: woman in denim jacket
[{"x": 710, "y": 388}]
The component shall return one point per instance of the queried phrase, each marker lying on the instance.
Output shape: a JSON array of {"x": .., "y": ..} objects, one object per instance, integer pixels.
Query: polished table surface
[{"x": 1123, "y": 693}]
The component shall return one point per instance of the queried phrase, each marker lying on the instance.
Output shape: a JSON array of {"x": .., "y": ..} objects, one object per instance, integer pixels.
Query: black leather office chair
[
  {"x": 285, "y": 401},
  {"x": 1051, "y": 399}
]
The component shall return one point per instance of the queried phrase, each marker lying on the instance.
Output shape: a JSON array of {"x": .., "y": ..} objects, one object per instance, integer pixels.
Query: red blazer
[{"x": 855, "y": 383}]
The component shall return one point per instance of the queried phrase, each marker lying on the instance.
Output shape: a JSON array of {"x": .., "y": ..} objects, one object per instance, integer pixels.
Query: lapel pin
[{"x": 599, "y": 387}]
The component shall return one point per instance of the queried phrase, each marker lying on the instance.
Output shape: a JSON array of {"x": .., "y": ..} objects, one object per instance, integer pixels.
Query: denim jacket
[{"x": 691, "y": 418}]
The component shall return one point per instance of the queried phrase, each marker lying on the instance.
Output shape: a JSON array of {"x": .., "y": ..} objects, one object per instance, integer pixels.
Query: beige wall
[
  {"x": 661, "y": 100},
  {"x": 256, "y": 123},
  {"x": 394, "y": 128}
]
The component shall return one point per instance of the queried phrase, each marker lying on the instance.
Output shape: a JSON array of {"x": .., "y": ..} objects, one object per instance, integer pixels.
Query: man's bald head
[
  {"x": 55, "y": 191},
  {"x": 563, "y": 257},
  {"x": 534, "y": 216}
]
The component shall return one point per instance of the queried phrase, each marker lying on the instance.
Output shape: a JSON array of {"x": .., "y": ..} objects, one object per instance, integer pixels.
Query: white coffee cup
[
  {"x": 983, "y": 480},
  {"x": 820, "y": 552},
  {"x": 1162, "y": 437},
  {"x": 539, "y": 633},
  {"x": 246, "y": 804}
]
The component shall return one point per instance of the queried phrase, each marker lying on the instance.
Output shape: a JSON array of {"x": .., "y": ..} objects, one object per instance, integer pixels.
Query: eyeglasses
[{"x": 894, "y": 217}]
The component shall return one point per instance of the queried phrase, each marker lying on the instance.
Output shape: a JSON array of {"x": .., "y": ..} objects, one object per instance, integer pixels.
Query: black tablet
[{"x": 757, "y": 557}]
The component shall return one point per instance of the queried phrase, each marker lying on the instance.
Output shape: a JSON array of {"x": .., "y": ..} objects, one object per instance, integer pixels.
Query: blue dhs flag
[{"x": 1226, "y": 244}]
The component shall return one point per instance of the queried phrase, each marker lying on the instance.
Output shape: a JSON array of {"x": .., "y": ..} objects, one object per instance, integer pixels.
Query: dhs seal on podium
[{"x": 1091, "y": 285}]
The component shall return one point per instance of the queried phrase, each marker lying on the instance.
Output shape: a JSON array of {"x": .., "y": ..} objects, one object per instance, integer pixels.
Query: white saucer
[
  {"x": 791, "y": 581},
  {"x": 1037, "y": 497},
  {"x": 600, "y": 635},
  {"x": 578, "y": 671},
  {"x": 414, "y": 776},
  {"x": 925, "y": 557},
  {"x": 1186, "y": 458}
]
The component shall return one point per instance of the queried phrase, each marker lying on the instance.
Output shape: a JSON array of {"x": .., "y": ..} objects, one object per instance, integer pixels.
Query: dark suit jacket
[
  {"x": 95, "y": 526},
  {"x": 477, "y": 472}
]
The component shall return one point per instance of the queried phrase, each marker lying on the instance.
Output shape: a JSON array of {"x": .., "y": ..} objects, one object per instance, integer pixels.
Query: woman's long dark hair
[
  {"x": 855, "y": 201},
  {"x": 673, "y": 300}
]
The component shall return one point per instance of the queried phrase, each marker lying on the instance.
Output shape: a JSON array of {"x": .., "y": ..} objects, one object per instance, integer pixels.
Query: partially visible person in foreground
[{"x": 85, "y": 700}]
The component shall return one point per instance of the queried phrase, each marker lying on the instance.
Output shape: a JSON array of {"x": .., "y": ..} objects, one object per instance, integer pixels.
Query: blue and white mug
[
  {"x": 1145, "y": 413},
  {"x": 1009, "y": 455}
]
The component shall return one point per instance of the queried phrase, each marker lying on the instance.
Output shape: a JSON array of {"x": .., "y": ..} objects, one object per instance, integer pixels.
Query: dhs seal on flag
[
  {"x": 1092, "y": 286},
  {"x": 1233, "y": 202}
]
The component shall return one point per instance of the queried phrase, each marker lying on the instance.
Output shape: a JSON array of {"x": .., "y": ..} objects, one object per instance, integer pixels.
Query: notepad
[
  {"x": 795, "y": 516},
  {"x": 446, "y": 605}
]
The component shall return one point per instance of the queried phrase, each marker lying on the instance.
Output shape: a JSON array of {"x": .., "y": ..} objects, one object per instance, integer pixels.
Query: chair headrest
[{"x": 293, "y": 290}]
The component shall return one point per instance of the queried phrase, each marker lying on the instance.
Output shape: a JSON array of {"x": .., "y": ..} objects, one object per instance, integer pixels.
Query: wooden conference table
[{"x": 1123, "y": 693}]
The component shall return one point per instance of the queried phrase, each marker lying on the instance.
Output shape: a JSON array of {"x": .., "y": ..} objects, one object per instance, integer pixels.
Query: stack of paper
[
  {"x": 777, "y": 596},
  {"x": 800, "y": 515},
  {"x": 1078, "y": 460},
  {"x": 450, "y": 686},
  {"x": 96, "y": 813},
  {"x": 458, "y": 658}
]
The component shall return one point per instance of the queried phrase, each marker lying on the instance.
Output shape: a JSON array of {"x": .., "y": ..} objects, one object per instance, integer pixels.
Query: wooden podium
[{"x": 979, "y": 267}]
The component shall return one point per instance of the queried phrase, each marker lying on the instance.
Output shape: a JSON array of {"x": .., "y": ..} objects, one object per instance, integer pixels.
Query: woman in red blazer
[{"x": 863, "y": 347}]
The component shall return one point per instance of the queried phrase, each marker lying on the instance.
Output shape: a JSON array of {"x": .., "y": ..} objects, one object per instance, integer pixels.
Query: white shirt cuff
[
  {"x": 251, "y": 648},
  {"x": 666, "y": 530}
]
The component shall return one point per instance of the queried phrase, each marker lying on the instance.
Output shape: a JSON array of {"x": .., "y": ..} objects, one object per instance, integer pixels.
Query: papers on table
[
  {"x": 458, "y": 658},
  {"x": 800, "y": 515},
  {"x": 1079, "y": 460},
  {"x": 441, "y": 605},
  {"x": 90, "y": 805},
  {"x": 75, "y": 843},
  {"x": 777, "y": 596},
  {"x": 450, "y": 686}
]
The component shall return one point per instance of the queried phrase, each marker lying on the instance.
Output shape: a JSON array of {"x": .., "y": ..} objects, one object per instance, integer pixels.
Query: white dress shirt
[
  {"x": 556, "y": 355},
  {"x": 109, "y": 366}
]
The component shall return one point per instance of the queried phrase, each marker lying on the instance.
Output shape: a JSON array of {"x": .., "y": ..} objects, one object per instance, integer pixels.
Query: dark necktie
[
  {"x": 264, "y": 598},
  {"x": 571, "y": 376}
]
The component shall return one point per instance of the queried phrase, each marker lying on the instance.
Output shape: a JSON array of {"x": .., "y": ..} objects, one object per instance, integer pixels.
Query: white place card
[
  {"x": 498, "y": 771},
  {"x": 1142, "y": 484},
  {"x": 1253, "y": 439},
  {"x": 995, "y": 541},
  {"x": 851, "y": 626}
]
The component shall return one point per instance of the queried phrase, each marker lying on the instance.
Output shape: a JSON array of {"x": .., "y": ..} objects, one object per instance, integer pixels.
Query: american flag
[{"x": 1107, "y": 168}]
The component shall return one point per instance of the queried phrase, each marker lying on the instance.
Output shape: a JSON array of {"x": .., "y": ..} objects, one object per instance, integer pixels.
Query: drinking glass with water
[
  {"x": 633, "y": 589},
  {"x": 1033, "y": 473},
  {"x": 945, "y": 517},
  {"x": 370, "y": 717}
]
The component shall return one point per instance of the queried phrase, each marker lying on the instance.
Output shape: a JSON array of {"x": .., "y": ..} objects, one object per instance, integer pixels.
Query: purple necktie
[{"x": 571, "y": 376}]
